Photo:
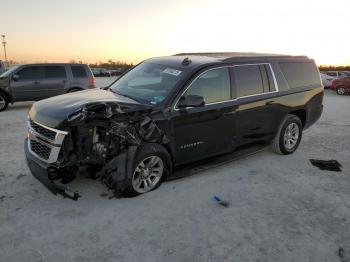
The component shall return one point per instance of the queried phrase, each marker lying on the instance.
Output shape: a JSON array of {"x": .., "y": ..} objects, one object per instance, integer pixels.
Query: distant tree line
[
  {"x": 110, "y": 64},
  {"x": 334, "y": 68}
]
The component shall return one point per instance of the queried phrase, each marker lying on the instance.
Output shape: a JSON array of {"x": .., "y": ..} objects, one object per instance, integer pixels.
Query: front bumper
[{"x": 40, "y": 170}]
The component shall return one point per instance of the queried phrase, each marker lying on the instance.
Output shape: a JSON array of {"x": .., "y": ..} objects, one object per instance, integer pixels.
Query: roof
[{"x": 200, "y": 59}]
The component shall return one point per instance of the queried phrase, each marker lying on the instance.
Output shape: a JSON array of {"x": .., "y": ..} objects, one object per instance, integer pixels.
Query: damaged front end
[{"x": 99, "y": 138}]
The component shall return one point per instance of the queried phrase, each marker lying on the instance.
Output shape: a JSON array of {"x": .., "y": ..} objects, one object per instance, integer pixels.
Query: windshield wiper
[{"x": 130, "y": 97}]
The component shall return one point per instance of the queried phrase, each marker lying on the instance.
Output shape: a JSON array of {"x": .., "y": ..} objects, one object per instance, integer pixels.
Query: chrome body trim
[{"x": 53, "y": 145}]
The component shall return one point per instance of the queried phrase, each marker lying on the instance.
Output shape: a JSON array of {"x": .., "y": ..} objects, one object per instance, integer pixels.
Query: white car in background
[{"x": 327, "y": 80}]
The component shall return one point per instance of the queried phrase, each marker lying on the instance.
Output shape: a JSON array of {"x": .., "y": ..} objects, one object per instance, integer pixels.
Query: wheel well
[
  {"x": 74, "y": 88},
  {"x": 301, "y": 113},
  {"x": 9, "y": 98}
]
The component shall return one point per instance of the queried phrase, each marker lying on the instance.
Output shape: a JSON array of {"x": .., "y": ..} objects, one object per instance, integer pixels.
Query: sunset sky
[{"x": 92, "y": 31}]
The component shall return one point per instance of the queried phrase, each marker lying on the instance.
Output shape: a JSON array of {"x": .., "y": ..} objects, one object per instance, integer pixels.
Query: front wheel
[
  {"x": 3, "y": 101},
  {"x": 151, "y": 164},
  {"x": 341, "y": 90},
  {"x": 288, "y": 135}
]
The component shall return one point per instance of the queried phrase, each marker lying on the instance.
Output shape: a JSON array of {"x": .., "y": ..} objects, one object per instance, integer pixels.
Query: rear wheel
[
  {"x": 341, "y": 90},
  {"x": 288, "y": 136},
  {"x": 4, "y": 101}
]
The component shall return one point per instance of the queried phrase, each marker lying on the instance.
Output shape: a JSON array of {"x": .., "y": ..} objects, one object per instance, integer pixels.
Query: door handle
[
  {"x": 64, "y": 81},
  {"x": 36, "y": 82},
  {"x": 268, "y": 103}
]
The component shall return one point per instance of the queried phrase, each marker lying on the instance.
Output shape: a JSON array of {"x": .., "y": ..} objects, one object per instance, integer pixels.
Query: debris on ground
[
  {"x": 221, "y": 202},
  {"x": 20, "y": 176},
  {"x": 341, "y": 254},
  {"x": 2, "y": 198},
  {"x": 103, "y": 195},
  {"x": 330, "y": 165}
]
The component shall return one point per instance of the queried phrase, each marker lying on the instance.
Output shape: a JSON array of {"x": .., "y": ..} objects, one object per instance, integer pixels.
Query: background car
[
  {"x": 341, "y": 86},
  {"x": 101, "y": 72},
  {"x": 336, "y": 74},
  {"x": 327, "y": 80},
  {"x": 33, "y": 82}
]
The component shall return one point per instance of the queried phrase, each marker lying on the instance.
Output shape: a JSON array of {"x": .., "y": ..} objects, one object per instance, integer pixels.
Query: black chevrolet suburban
[{"x": 171, "y": 111}]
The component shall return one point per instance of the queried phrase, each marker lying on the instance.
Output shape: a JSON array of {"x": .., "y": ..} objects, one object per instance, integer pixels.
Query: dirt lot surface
[{"x": 281, "y": 207}]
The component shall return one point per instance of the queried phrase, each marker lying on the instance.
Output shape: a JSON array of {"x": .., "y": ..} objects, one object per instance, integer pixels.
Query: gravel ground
[{"x": 281, "y": 207}]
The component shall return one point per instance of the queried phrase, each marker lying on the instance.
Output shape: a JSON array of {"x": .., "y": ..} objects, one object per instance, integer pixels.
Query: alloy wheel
[
  {"x": 291, "y": 136},
  {"x": 2, "y": 102},
  {"x": 341, "y": 90},
  {"x": 147, "y": 174}
]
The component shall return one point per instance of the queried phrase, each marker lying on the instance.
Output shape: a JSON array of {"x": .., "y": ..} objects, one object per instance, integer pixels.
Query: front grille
[
  {"x": 41, "y": 150},
  {"x": 43, "y": 131}
]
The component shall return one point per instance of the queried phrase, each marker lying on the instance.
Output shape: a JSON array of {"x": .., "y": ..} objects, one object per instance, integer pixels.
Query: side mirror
[
  {"x": 15, "y": 77},
  {"x": 191, "y": 101}
]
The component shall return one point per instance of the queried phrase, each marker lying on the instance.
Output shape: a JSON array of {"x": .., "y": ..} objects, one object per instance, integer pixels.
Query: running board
[{"x": 203, "y": 165}]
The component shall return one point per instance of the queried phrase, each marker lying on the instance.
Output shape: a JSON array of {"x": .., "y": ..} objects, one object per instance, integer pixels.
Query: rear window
[
  {"x": 300, "y": 74},
  {"x": 248, "y": 80},
  {"x": 78, "y": 71},
  {"x": 54, "y": 72}
]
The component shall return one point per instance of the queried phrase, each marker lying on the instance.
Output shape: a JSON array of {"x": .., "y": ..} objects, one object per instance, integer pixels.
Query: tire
[
  {"x": 341, "y": 90},
  {"x": 136, "y": 181},
  {"x": 74, "y": 90},
  {"x": 4, "y": 101},
  {"x": 289, "y": 126}
]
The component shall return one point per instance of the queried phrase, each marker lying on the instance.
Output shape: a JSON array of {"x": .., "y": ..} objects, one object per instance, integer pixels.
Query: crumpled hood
[{"x": 54, "y": 111}]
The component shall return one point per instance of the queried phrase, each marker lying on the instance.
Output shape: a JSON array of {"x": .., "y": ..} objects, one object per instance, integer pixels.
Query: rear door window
[
  {"x": 213, "y": 86},
  {"x": 248, "y": 80},
  {"x": 54, "y": 72},
  {"x": 78, "y": 71},
  {"x": 29, "y": 73}
]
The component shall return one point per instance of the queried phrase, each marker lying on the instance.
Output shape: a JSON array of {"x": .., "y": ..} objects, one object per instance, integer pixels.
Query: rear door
[
  {"x": 258, "y": 112},
  {"x": 26, "y": 87},
  {"x": 53, "y": 82},
  {"x": 202, "y": 132}
]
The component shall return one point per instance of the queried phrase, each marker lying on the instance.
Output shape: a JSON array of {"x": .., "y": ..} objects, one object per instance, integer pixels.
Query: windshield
[
  {"x": 148, "y": 83},
  {"x": 8, "y": 72}
]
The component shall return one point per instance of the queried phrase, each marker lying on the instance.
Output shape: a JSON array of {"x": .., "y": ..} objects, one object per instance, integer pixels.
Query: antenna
[{"x": 186, "y": 61}]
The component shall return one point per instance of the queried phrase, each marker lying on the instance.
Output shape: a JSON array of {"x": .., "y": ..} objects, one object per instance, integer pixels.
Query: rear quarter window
[
  {"x": 300, "y": 74},
  {"x": 78, "y": 71}
]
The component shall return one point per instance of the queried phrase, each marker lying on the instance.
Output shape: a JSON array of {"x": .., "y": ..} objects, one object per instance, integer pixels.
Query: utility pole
[{"x": 4, "y": 44}]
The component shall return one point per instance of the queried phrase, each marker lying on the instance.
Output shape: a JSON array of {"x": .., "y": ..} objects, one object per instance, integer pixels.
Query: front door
[
  {"x": 201, "y": 132},
  {"x": 26, "y": 86}
]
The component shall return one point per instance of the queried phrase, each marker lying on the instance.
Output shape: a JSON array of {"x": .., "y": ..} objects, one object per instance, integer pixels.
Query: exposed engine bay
[{"x": 102, "y": 140}]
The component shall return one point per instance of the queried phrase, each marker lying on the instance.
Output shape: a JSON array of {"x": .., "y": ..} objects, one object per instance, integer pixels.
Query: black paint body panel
[{"x": 202, "y": 132}]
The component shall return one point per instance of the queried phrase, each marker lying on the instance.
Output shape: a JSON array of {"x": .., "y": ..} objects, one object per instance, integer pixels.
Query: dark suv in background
[
  {"x": 171, "y": 111},
  {"x": 33, "y": 82}
]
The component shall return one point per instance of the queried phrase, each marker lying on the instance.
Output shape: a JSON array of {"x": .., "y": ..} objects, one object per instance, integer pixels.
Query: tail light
[{"x": 93, "y": 82}]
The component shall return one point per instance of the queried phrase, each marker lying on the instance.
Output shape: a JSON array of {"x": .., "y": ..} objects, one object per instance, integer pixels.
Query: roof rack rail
[{"x": 230, "y": 55}]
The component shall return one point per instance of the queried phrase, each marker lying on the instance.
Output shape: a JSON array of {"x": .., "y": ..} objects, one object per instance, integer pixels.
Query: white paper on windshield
[{"x": 172, "y": 71}]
